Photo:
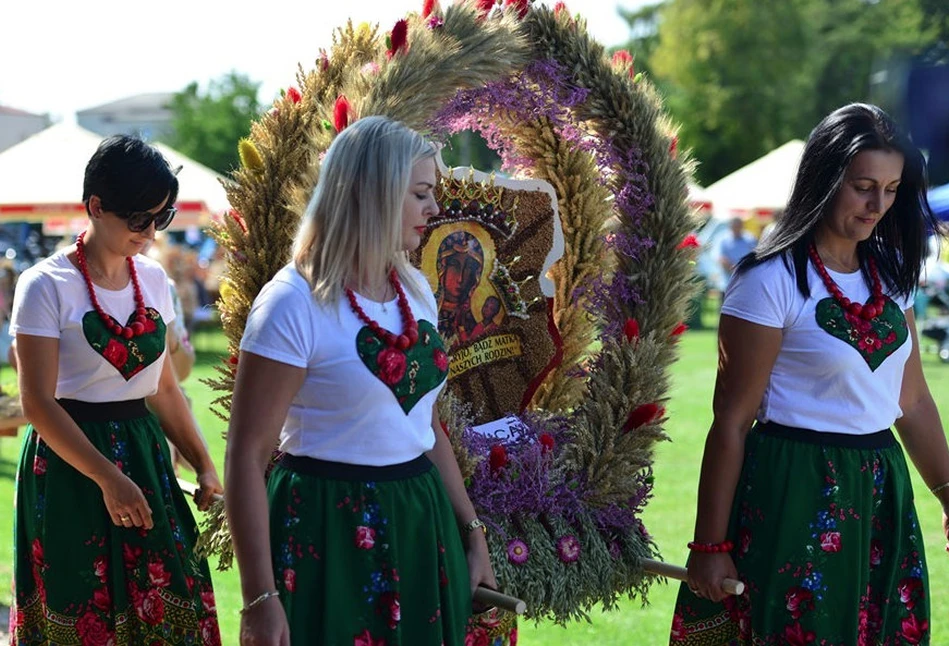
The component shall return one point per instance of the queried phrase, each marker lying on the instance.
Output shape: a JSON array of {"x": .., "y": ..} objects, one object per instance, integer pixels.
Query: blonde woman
[{"x": 366, "y": 510}]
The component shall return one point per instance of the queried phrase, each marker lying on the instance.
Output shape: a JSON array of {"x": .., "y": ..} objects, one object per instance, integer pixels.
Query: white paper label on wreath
[{"x": 500, "y": 429}]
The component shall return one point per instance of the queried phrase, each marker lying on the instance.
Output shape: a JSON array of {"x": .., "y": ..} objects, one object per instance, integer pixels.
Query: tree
[
  {"x": 852, "y": 39},
  {"x": 467, "y": 148},
  {"x": 936, "y": 21},
  {"x": 644, "y": 27},
  {"x": 734, "y": 77},
  {"x": 208, "y": 125},
  {"x": 744, "y": 76}
]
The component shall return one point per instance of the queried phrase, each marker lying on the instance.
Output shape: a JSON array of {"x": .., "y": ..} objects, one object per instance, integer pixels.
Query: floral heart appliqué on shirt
[
  {"x": 128, "y": 356},
  {"x": 875, "y": 339},
  {"x": 409, "y": 374}
]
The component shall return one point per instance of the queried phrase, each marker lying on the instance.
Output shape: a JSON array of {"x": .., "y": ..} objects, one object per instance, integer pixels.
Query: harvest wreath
[{"x": 563, "y": 494}]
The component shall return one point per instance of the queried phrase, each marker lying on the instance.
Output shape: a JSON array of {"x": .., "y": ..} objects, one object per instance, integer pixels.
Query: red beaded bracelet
[{"x": 711, "y": 548}]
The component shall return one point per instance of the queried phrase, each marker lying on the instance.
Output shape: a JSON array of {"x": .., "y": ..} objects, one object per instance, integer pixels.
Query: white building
[
  {"x": 17, "y": 125},
  {"x": 145, "y": 115}
]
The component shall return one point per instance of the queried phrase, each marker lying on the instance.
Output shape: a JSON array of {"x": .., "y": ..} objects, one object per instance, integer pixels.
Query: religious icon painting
[{"x": 486, "y": 256}]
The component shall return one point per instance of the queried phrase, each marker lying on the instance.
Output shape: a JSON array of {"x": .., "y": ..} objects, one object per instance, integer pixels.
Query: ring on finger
[{"x": 125, "y": 518}]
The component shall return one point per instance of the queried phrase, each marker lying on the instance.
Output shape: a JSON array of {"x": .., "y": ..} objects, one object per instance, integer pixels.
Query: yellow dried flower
[{"x": 250, "y": 156}]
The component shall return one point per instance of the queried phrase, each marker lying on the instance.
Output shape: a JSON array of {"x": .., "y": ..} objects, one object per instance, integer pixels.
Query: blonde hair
[{"x": 352, "y": 227}]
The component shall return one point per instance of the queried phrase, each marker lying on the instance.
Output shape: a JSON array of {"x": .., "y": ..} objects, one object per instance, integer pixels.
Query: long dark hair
[{"x": 898, "y": 242}]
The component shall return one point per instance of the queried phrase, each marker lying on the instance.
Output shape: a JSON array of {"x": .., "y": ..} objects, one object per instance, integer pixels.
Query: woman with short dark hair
[{"x": 104, "y": 541}]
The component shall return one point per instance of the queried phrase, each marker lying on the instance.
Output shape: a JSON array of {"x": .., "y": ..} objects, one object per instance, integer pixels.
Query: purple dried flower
[
  {"x": 609, "y": 300},
  {"x": 517, "y": 552},
  {"x": 435, "y": 22},
  {"x": 627, "y": 245},
  {"x": 541, "y": 91},
  {"x": 568, "y": 548}
]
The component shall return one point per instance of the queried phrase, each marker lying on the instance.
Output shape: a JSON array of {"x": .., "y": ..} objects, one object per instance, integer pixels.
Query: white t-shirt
[
  {"x": 819, "y": 382},
  {"x": 343, "y": 412},
  {"x": 51, "y": 300}
]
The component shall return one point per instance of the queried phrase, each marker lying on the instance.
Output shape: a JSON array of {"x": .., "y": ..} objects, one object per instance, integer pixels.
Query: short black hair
[
  {"x": 129, "y": 176},
  {"x": 898, "y": 240}
]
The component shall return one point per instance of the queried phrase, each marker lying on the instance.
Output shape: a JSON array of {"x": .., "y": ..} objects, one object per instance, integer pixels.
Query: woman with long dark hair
[{"x": 804, "y": 492}]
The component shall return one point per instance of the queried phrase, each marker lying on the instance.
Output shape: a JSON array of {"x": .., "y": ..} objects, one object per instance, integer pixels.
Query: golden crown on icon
[{"x": 466, "y": 199}]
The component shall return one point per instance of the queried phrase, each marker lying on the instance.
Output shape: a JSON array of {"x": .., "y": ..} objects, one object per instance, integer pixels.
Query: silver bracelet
[
  {"x": 259, "y": 599},
  {"x": 938, "y": 488}
]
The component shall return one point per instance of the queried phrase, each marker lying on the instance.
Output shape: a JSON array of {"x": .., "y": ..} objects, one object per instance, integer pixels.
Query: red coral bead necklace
[
  {"x": 409, "y": 335},
  {"x": 125, "y": 331},
  {"x": 869, "y": 310}
]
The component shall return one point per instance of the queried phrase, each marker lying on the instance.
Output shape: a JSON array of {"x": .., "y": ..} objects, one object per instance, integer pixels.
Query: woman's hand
[
  {"x": 265, "y": 625},
  {"x": 480, "y": 572},
  {"x": 125, "y": 501},
  {"x": 706, "y": 573},
  {"x": 209, "y": 486}
]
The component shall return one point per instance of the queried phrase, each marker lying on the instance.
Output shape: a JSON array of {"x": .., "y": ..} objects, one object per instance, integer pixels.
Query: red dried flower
[
  {"x": 324, "y": 60},
  {"x": 674, "y": 147},
  {"x": 520, "y": 5},
  {"x": 643, "y": 415},
  {"x": 236, "y": 216},
  {"x": 293, "y": 94},
  {"x": 631, "y": 329},
  {"x": 560, "y": 6},
  {"x": 689, "y": 242},
  {"x": 498, "y": 458},
  {"x": 547, "y": 441},
  {"x": 622, "y": 57},
  {"x": 428, "y": 7},
  {"x": 485, "y": 6},
  {"x": 341, "y": 113},
  {"x": 398, "y": 38},
  {"x": 679, "y": 329}
]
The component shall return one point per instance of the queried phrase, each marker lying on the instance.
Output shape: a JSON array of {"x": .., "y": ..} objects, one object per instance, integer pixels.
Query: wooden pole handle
[
  {"x": 731, "y": 586},
  {"x": 191, "y": 488},
  {"x": 490, "y": 597}
]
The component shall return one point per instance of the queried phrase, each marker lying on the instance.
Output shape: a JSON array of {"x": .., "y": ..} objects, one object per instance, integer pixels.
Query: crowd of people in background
[{"x": 192, "y": 261}]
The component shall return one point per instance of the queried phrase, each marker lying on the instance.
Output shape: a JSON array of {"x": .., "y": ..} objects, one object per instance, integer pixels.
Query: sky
[{"x": 60, "y": 56}]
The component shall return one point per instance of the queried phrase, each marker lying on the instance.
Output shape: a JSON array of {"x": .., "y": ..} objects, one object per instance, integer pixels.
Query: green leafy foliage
[
  {"x": 743, "y": 76},
  {"x": 209, "y": 123}
]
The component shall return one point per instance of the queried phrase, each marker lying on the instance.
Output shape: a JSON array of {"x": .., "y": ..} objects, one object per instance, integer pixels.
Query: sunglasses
[{"x": 138, "y": 221}]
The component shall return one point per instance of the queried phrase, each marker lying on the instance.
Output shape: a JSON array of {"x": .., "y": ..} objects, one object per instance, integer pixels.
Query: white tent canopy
[
  {"x": 699, "y": 199},
  {"x": 41, "y": 180},
  {"x": 763, "y": 185}
]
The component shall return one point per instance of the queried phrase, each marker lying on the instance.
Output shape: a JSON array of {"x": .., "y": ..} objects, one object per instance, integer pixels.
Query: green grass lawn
[{"x": 669, "y": 516}]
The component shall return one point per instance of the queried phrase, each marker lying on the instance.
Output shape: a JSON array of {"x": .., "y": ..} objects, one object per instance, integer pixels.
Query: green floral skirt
[
  {"x": 369, "y": 556},
  {"x": 81, "y": 580},
  {"x": 827, "y": 543}
]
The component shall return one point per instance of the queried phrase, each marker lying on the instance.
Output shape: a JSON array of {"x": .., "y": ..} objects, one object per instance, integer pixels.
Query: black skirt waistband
[
  {"x": 355, "y": 472},
  {"x": 104, "y": 411},
  {"x": 879, "y": 440}
]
